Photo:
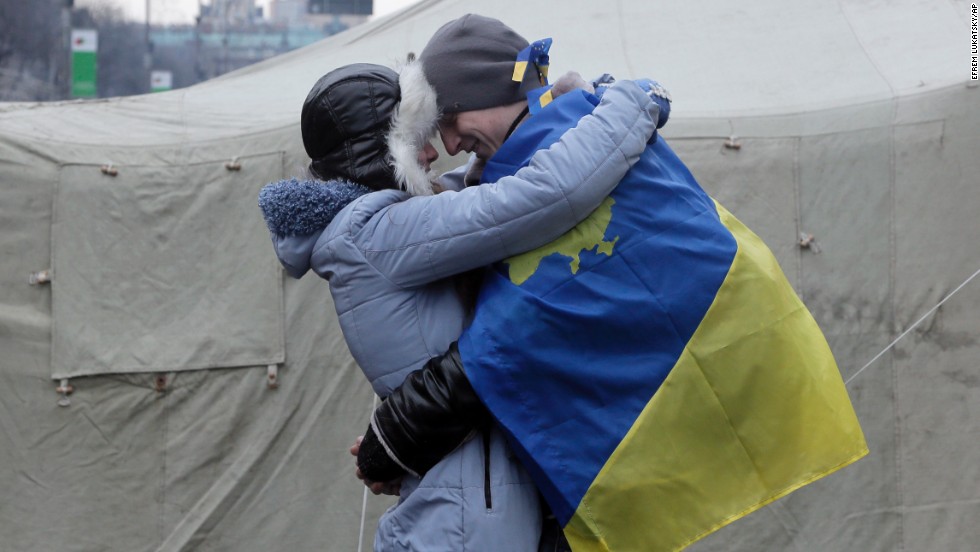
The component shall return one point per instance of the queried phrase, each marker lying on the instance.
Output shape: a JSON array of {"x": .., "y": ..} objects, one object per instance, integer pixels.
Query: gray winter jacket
[{"x": 390, "y": 258}]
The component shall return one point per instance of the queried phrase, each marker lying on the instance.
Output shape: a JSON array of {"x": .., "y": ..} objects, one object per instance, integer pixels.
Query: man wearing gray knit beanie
[
  {"x": 472, "y": 82},
  {"x": 463, "y": 82},
  {"x": 595, "y": 350},
  {"x": 475, "y": 82}
]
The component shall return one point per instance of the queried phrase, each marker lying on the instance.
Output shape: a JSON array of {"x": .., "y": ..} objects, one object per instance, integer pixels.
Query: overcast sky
[{"x": 183, "y": 11}]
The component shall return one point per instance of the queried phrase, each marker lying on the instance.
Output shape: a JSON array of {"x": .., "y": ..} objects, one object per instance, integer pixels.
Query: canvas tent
[{"x": 850, "y": 121}]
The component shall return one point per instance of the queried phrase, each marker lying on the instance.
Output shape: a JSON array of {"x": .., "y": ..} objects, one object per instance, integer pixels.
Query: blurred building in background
[
  {"x": 230, "y": 34},
  {"x": 226, "y": 35}
]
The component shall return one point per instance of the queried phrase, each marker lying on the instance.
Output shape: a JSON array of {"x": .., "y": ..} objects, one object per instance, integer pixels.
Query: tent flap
[{"x": 155, "y": 269}]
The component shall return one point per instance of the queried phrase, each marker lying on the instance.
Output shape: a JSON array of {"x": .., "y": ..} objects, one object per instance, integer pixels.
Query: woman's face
[{"x": 427, "y": 155}]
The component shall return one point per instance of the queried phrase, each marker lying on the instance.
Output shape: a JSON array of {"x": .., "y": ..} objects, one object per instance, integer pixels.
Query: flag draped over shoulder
[{"x": 653, "y": 368}]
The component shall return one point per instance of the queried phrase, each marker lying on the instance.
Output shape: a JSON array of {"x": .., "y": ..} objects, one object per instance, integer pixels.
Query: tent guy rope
[
  {"x": 912, "y": 327},
  {"x": 364, "y": 496}
]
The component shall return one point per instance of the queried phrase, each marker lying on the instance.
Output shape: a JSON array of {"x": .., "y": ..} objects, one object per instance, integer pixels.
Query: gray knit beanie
[{"x": 470, "y": 63}]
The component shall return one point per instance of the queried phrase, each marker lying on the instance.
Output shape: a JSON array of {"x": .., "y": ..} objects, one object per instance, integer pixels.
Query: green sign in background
[
  {"x": 84, "y": 48},
  {"x": 83, "y": 68}
]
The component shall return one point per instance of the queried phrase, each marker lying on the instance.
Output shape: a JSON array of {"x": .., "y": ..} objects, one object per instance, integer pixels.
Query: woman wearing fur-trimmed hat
[{"x": 389, "y": 247}]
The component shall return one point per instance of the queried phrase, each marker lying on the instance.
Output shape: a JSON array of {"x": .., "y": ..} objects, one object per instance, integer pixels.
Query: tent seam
[{"x": 896, "y": 392}]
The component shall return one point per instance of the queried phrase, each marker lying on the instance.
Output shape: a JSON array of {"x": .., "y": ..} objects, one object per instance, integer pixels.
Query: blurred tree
[
  {"x": 31, "y": 45},
  {"x": 34, "y": 54}
]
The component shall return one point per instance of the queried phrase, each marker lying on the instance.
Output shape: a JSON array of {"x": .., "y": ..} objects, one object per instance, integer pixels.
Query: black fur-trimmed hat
[
  {"x": 351, "y": 130},
  {"x": 345, "y": 122}
]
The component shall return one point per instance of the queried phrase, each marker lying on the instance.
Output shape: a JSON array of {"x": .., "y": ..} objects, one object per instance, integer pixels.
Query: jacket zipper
[{"x": 486, "y": 470}]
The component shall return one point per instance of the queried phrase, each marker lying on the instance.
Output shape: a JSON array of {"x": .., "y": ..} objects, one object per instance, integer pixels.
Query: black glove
[
  {"x": 374, "y": 462},
  {"x": 422, "y": 421}
]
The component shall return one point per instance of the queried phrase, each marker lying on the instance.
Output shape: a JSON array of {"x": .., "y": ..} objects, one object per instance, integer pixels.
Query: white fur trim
[{"x": 413, "y": 124}]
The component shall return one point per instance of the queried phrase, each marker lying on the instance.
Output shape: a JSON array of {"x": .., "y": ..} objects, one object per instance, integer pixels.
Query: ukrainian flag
[{"x": 653, "y": 368}]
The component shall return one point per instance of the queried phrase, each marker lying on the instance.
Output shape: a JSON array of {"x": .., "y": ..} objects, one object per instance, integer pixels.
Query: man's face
[{"x": 481, "y": 132}]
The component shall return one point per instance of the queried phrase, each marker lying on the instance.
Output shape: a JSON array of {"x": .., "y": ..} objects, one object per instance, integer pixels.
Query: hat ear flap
[{"x": 413, "y": 125}]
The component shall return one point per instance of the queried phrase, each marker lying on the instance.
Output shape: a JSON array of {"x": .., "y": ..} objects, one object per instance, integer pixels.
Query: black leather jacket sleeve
[{"x": 422, "y": 421}]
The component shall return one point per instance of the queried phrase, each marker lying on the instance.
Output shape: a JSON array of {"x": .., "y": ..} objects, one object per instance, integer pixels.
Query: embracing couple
[{"x": 520, "y": 315}]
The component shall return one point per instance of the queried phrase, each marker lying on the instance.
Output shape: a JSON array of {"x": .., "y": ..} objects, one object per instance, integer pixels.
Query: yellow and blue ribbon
[
  {"x": 535, "y": 54},
  {"x": 538, "y": 98}
]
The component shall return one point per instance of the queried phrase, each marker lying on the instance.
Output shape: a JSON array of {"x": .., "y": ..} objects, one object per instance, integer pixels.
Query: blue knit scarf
[{"x": 300, "y": 208}]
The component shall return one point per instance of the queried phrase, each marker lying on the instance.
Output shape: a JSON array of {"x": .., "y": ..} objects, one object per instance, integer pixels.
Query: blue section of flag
[
  {"x": 540, "y": 131},
  {"x": 565, "y": 361}
]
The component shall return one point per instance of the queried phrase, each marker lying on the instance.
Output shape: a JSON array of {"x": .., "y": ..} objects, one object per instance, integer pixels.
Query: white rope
[
  {"x": 912, "y": 327},
  {"x": 360, "y": 534}
]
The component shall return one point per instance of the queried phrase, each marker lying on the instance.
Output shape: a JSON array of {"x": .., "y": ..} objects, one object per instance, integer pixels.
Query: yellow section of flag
[{"x": 754, "y": 409}]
